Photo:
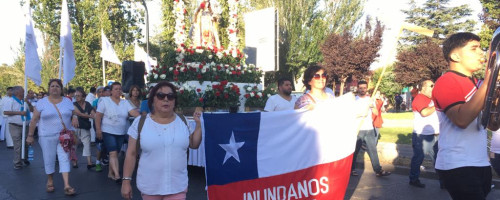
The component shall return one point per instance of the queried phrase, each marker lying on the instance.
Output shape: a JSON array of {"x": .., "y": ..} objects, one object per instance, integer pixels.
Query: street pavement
[{"x": 29, "y": 183}]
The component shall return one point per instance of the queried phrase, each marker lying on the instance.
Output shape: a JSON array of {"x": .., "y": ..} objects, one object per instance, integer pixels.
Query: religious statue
[{"x": 204, "y": 29}]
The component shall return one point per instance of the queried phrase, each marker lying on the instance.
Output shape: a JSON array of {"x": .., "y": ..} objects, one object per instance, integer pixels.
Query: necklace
[{"x": 162, "y": 130}]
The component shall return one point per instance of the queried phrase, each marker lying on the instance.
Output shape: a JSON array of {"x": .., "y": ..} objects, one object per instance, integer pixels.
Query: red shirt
[
  {"x": 453, "y": 88},
  {"x": 377, "y": 119},
  {"x": 420, "y": 102}
]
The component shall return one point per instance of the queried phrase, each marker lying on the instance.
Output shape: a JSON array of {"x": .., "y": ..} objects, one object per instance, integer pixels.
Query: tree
[
  {"x": 116, "y": 18},
  {"x": 437, "y": 16},
  {"x": 388, "y": 85},
  {"x": 348, "y": 57},
  {"x": 491, "y": 21},
  {"x": 425, "y": 61}
]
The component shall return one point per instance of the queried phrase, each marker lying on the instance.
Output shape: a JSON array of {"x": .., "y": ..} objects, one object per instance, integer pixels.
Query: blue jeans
[
  {"x": 113, "y": 142},
  {"x": 422, "y": 145},
  {"x": 495, "y": 163},
  {"x": 367, "y": 136}
]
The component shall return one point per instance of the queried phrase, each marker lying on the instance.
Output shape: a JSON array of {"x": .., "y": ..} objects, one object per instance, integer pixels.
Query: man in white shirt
[
  {"x": 4, "y": 132},
  {"x": 425, "y": 131},
  {"x": 366, "y": 132},
  {"x": 91, "y": 95},
  {"x": 16, "y": 115},
  {"x": 283, "y": 100}
]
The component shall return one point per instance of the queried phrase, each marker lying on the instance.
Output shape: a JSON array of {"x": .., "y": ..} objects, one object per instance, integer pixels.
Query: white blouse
[
  {"x": 115, "y": 118},
  {"x": 163, "y": 164},
  {"x": 50, "y": 123}
]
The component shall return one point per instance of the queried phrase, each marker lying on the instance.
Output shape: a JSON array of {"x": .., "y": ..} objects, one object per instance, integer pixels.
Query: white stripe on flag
[{"x": 337, "y": 120}]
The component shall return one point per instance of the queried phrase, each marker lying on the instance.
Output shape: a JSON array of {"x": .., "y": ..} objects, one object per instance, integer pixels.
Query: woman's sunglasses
[
  {"x": 318, "y": 76},
  {"x": 170, "y": 96}
]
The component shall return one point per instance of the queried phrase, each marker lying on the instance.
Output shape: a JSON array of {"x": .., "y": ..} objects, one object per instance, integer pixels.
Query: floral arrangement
[
  {"x": 189, "y": 96},
  {"x": 180, "y": 26},
  {"x": 232, "y": 28},
  {"x": 255, "y": 97},
  {"x": 206, "y": 64},
  {"x": 222, "y": 95}
]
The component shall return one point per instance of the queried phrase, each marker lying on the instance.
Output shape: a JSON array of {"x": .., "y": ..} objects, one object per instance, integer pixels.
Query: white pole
[
  {"x": 25, "y": 106},
  {"x": 103, "y": 73},
  {"x": 60, "y": 61},
  {"x": 277, "y": 39}
]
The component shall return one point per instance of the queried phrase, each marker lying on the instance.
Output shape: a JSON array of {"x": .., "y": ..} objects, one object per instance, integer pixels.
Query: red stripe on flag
[{"x": 325, "y": 181}]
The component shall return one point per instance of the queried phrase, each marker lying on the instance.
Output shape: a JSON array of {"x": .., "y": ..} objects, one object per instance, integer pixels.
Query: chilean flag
[{"x": 296, "y": 154}]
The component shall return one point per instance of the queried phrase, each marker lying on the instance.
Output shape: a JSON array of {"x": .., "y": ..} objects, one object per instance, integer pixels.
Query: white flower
[
  {"x": 250, "y": 71},
  {"x": 249, "y": 88},
  {"x": 246, "y": 55},
  {"x": 268, "y": 95},
  {"x": 203, "y": 70},
  {"x": 232, "y": 68},
  {"x": 219, "y": 55},
  {"x": 199, "y": 50},
  {"x": 210, "y": 56},
  {"x": 214, "y": 69},
  {"x": 234, "y": 54},
  {"x": 252, "y": 94},
  {"x": 228, "y": 72},
  {"x": 259, "y": 93},
  {"x": 156, "y": 76},
  {"x": 182, "y": 69},
  {"x": 163, "y": 76},
  {"x": 212, "y": 63},
  {"x": 170, "y": 69},
  {"x": 182, "y": 88}
]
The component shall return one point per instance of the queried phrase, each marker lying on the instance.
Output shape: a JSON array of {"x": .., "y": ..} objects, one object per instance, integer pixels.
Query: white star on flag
[{"x": 232, "y": 149}]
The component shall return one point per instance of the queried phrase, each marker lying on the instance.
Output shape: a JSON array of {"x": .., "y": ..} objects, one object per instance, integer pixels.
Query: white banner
[{"x": 260, "y": 38}]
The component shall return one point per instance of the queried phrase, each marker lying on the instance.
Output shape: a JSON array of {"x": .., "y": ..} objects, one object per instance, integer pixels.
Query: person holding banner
[
  {"x": 315, "y": 81},
  {"x": 16, "y": 115},
  {"x": 162, "y": 138},
  {"x": 54, "y": 113}
]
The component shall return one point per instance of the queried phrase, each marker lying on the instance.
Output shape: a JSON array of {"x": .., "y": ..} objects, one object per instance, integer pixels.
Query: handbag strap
[{"x": 60, "y": 116}]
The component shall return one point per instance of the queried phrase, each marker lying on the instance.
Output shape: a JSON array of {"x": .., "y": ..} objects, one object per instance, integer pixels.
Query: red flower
[
  {"x": 238, "y": 73},
  {"x": 219, "y": 67},
  {"x": 257, "y": 96},
  {"x": 231, "y": 31},
  {"x": 185, "y": 69},
  {"x": 182, "y": 45},
  {"x": 223, "y": 83},
  {"x": 216, "y": 77},
  {"x": 198, "y": 76},
  {"x": 247, "y": 96},
  {"x": 233, "y": 72},
  {"x": 198, "y": 90},
  {"x": 179, "y": 50},
  {"x": 181, "y": 91},
  {"x": 176, "y": 72},
  {"x": 175, "y": 78},
  {"x": 200, "y": 99},
  {"x": 217, "y": 93},
  {"x": 201, "y": 66},
  {"x": 226, "y": 95}
]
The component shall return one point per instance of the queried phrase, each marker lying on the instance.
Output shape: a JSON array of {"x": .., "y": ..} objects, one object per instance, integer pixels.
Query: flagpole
[
  {"x": 60, "y": 61},
  {"x": 23, "y": 139},
  {"x": 103, "y": 73}
]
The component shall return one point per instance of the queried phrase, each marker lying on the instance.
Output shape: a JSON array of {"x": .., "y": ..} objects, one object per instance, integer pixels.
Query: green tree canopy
[
  {"x": 438, "y": 16},
  {"x": 491, "y": 21}
]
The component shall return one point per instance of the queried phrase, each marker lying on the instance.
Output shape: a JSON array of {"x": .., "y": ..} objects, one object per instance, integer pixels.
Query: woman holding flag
[{"x": 315, "y": 81}]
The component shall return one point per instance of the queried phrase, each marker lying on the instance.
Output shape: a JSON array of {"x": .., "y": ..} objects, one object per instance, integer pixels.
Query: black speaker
[{"x": 132, "y": 74}]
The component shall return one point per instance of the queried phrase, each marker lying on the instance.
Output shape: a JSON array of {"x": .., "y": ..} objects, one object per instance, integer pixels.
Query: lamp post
[{"x": 147, "y": 26}]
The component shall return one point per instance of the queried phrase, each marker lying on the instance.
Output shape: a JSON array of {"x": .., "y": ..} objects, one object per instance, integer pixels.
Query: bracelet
[{"x": 127, "y": 178}]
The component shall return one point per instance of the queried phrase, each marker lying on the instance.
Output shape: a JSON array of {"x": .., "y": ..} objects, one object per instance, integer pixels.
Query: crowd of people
[{"x": 446, "y": 127}]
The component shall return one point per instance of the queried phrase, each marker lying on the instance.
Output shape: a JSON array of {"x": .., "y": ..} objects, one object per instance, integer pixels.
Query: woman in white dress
[{"x": 164, "y": 140}]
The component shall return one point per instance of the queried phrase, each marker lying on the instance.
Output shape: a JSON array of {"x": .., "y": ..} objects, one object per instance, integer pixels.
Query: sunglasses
[
  {"x": 318, "y": 76},
  {"x": 170, "y": 96}
]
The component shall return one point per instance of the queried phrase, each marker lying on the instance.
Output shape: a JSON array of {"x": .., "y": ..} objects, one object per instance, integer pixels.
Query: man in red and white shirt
[
  {"x": 462, "y": 161},
  {"x": 425, "y": 130}
]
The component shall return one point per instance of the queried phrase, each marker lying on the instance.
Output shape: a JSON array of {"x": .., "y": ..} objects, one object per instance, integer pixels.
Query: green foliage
[
  {"x": 117, "y": 18},
  {"x": 388, "y": 85},
  {"x": 491, "y": 19},
  {"x": 189, "y": 96},
  {"x": 438, "y": 16}
]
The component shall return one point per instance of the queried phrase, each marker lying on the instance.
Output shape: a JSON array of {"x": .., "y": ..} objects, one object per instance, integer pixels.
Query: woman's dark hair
[
  {"x": 155, "y": 89},
  {"x": 309, "y": 74},
  {"x": 138, "y": 89},
  {"x": 59, "y": 82},
  {"x": 82, "y": 92}
]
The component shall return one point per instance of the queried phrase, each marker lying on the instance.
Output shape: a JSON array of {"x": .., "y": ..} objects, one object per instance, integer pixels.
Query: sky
[{"x": 388, "y": 11}]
